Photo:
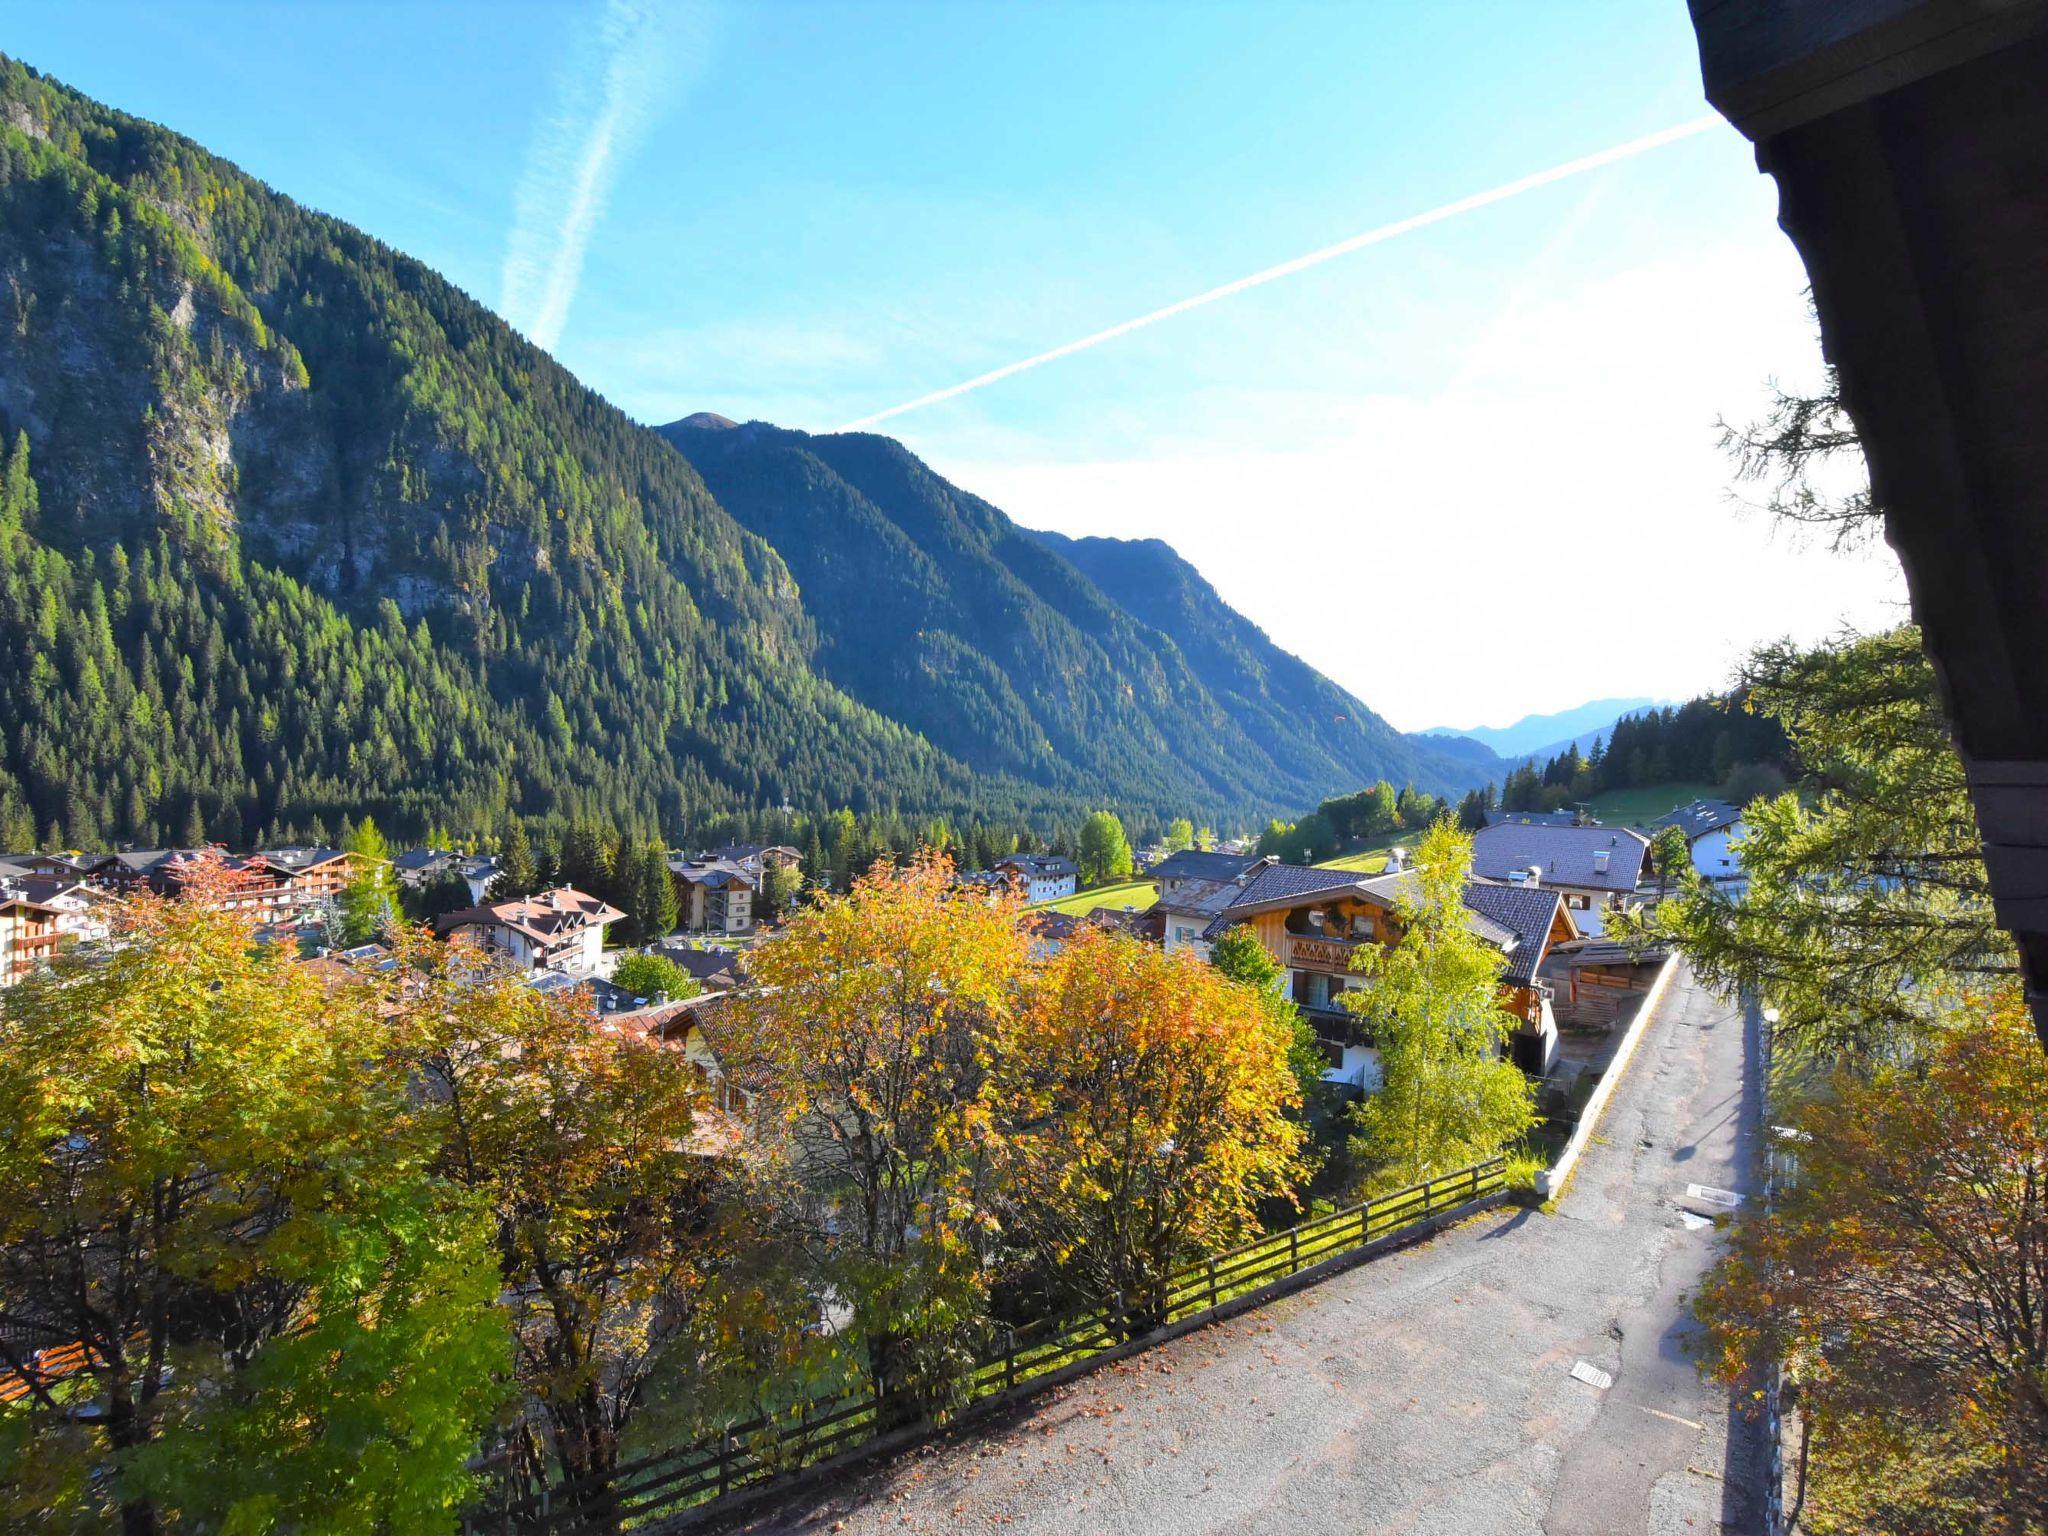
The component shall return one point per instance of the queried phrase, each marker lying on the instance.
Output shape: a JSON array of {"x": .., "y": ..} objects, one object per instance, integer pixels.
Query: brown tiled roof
[{"x": 544, "y": 917}]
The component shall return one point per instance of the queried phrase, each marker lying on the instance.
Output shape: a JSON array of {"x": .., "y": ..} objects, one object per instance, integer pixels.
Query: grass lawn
[
  {"x": 1135, "y": 893},
  {"x": 1372, "y": 857},
  {"x": 1635, "y": 807}
]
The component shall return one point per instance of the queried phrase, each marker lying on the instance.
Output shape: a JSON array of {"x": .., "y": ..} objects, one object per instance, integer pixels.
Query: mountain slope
[
  {"x": 1289, "y": 708},
  {"x": 1012, "y": 655},
  {"x": 1552, "y": 733},
  {"x": 312, "y": 533},
  {"x": 291, "y": 529}
]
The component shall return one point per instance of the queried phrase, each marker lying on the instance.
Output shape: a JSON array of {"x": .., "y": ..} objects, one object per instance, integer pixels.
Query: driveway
[{"x": 1429, "y": 1391}]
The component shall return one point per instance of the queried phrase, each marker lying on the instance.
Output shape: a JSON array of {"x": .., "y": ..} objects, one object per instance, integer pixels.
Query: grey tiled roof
[
  {"x": 1194, "y": 864},
  {"x": 1526, "y": 911},
  {"x": 1566, "y": 855},
  {"x": 1701, "y": 817},
  {"x": 1199, "y": 898}
]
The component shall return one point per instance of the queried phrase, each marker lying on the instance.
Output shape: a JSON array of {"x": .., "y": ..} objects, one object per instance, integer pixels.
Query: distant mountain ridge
[
  {"x": 1081, "y": 664},
  {"x": 1547, "y": 735}
]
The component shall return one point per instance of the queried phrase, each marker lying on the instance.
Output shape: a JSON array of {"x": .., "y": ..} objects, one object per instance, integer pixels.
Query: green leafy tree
[
  {"x": 1104, "y": 852},
  {"x": 780, "y": 888},
  {"x": 654, "y": 976},
  {"x": 1449, "y": 1096},
  {"x": 1180, "y": 833},
  {"x": 217, "y": 1197},
  {"x": 446, "y": 892},
  {"x": 1238, "y": 954},
  {"x": 369, "y": 903},
  {"x": 1671, "y": 857},
  {"x": 650, "y": 889}
]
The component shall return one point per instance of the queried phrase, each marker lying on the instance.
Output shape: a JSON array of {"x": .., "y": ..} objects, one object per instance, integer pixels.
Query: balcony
[{"x": 1312, "y": 952}]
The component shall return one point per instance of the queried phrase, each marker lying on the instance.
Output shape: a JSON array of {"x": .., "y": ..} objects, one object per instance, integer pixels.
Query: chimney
[{"x": 1600, "y": 861}]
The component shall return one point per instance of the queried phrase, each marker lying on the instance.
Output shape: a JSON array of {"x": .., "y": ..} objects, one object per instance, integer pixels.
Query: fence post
[
  {"x": 1009, "y": 1357},
  {"x": 1212, "y": 1283},
  {"x": 724, "y": 1464},
  {"x": 1293, "y": 1249},
  {"x": 1364, "y": 1223},
  {"x": 1428, "y": 1198}
]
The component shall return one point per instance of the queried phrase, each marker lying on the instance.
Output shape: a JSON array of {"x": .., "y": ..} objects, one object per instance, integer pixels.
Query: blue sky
[{"x": 1458, "y": 471}]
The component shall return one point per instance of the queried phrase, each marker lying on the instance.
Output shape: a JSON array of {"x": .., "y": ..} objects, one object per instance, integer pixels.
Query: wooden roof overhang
[{"x": 1909, "y": 142}]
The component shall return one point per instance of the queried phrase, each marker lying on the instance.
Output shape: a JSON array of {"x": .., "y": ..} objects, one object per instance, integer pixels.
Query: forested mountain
[
  {"x": 294, "y": 530},
  {"x": 1287, "y": 707},
  {"x": 1543, "y": 735},
  {"x": 1026, "y": 654}
]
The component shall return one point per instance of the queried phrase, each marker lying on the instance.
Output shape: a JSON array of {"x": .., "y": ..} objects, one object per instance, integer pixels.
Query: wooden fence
[{"x": 758, "y": 1451}]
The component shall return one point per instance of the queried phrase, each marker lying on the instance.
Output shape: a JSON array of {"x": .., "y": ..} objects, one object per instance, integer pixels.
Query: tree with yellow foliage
[
  {"x": 221, "y": 1232},
  {"x": 1150, "y": 1098},
  {"x": 876, "y": 1026}
]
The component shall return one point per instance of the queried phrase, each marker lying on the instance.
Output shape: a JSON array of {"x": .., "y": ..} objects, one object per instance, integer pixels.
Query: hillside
[
  {"x": 1014, "y": 652},
  {"x": 1286, "y": 706},
  {"x": 315, "y": 533},
  {"x": 293, "y": 530}
]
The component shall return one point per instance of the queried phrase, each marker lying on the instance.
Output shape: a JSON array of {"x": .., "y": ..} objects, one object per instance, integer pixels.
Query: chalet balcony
[{"x": 1314, "y": 952}]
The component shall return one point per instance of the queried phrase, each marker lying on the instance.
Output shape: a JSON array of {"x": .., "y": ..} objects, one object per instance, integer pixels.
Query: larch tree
[
  {"x": 369, "y": 902},
  {"x": 1153, "y": 1108},
  {"x": 1865, "y": 898},
  {"x": 1448, "y": 1097}
]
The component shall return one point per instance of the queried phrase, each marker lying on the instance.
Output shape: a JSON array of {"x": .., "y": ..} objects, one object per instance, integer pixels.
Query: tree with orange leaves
[
  {"x": 1902, "y": 1276},
  {"x": 1151, "y": 1100},
  {"x": 877, "y": 1025}
]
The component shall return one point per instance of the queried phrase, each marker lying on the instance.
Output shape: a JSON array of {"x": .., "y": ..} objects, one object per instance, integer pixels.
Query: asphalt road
[{"x": 1427, "y": 1392}]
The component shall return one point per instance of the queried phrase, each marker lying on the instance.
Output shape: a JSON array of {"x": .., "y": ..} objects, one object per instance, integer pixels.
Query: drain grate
[{"x": 1708, "y": 1194}]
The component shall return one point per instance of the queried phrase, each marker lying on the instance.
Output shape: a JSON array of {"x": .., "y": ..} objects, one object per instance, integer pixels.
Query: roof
[
  {"x": 545, "y": 918},
  {"x": 1564, "y": 855},
  {"x": 715, "y": 969},
  {"x": 1038, "y": 866},
  {"x": 295, "y": 861},
  {"x": 47, "y": 888},
  {"x": 741, "y": 852},
  {"x": 1533, "y": 818},
  {"x": 1195, "y": 864},
  {"x": 1527, "y": 911},
  {"x": 1701, "y": 817},
  {"x": 413, "y": 860},
  {"x": 1516, "y": 919},
  {"x": 1199, "y": 898},
  {"x": 713, "y": 872}
]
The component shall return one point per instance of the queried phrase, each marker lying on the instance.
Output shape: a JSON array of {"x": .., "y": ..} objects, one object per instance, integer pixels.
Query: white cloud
[
  {"x": 610, "y": 90},
  {"x": 1553, "y": 525}
]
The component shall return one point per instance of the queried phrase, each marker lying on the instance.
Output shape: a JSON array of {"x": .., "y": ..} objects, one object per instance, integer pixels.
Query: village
[{"x": 1541, "y": 889}]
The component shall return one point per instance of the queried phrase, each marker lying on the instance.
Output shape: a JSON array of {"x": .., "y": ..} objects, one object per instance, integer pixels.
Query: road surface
[{"x": 1427, "y": 1392}]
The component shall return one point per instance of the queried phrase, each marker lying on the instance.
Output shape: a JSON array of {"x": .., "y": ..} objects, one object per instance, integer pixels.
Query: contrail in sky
[
  {"x": 1385, "y": 232},
  {"x": 606, "y": 96}
]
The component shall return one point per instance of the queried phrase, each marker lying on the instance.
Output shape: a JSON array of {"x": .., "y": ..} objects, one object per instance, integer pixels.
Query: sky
[{"x": 1469, "y": 470}]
